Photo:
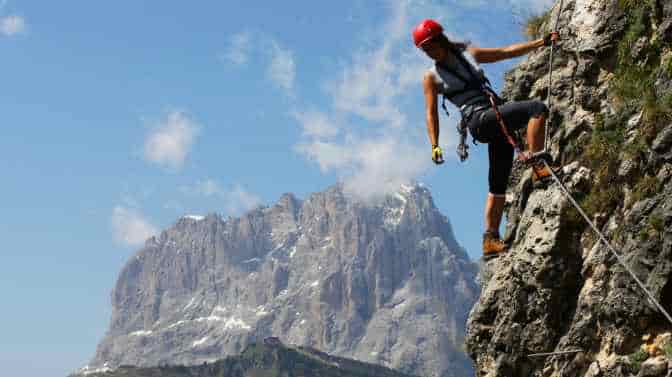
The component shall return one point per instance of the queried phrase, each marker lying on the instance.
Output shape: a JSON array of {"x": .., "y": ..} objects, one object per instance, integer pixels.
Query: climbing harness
[{"x": 481, "y": 84}]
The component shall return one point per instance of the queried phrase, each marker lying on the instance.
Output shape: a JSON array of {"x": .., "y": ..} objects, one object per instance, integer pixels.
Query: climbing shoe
[
  {"x": 493, "y": 246},
  {"x": 536, "y": 158},
  {"x": 541, "y": 174}
]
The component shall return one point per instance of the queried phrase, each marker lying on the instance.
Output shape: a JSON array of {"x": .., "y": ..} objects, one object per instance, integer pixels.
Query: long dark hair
[{"x": 451, "y": 45}]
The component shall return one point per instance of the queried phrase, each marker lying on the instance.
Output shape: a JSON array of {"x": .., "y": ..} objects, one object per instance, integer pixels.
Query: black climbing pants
[{"x": 484, "y": 127}]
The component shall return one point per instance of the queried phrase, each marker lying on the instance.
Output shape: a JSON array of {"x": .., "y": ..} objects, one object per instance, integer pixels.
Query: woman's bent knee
[{"x": 538, "y": 109}]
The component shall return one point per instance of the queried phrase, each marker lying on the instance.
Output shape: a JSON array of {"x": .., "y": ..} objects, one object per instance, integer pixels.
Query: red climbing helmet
[{"x": 425, "y": 31}]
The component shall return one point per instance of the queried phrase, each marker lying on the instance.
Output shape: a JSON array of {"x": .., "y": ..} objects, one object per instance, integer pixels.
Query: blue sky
[{"x": 120, "y": 117}]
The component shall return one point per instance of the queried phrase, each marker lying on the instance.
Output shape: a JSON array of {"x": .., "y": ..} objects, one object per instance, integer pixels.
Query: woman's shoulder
[
  {"x": 470, "y": 51},
  {"x": 470, "y": 54},
  {"x": 431, "y": 74}
]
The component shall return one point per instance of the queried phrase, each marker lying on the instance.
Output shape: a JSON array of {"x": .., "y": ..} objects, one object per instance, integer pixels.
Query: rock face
[
  {"x": 385, "y": 284},
  {"x": 558, "y": 289}
]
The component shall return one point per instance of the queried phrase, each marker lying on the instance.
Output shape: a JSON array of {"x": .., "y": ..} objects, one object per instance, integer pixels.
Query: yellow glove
[{"x": 437, "y": 155}]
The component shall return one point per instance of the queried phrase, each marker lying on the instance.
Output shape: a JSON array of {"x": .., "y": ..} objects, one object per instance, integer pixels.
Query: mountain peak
[{"x": 327, "y": 272}]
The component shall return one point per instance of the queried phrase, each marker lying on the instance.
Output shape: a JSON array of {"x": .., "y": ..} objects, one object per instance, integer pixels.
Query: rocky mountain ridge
[
  {"x": 384, "y": 283},
  {"x": 264, "y": 359}
]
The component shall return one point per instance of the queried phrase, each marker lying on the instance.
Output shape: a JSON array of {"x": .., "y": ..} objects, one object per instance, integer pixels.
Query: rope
[
  {"x": 550, "y": 76},
  {"x": 605, "y": 242},
  {"x": 522, "y": 156}
]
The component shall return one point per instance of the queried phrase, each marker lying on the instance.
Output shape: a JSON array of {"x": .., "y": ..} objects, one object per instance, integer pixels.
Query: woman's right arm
[{"x": 431, "y": 109}]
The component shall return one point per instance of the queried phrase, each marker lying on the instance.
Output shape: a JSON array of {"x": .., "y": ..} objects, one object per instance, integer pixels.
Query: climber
[{"x": 457, "y": 76}]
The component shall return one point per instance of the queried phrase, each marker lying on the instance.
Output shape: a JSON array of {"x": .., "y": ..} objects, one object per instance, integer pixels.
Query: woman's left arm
[{"x": 491, "y": 55}]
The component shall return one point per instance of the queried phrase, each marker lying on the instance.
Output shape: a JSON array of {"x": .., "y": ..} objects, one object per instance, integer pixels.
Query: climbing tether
[{"x": 500, "y": 119}]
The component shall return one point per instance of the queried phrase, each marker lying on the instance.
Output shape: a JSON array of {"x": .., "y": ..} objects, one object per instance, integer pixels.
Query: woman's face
[{"x": 434, "y": 50}]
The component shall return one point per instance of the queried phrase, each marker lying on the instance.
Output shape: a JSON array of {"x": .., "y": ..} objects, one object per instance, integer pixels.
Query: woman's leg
[
  {"x": 516, "y": 116},
  {"x": 494, "y": 208},
  {"x": 500, "y": 154},
  {"x": 536, "y": 133}
]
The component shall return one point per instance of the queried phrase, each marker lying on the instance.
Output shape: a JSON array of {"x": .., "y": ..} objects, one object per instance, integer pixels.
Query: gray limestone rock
[
  {"x": 663, "y": 140},
  {"x": 557, "y": 289},
  {"x": 654, "y": 367}
]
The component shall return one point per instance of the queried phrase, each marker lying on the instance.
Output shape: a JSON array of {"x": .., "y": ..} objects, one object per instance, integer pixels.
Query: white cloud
[
  {"x": 240, "y": 200},
  {"x": 169, "y": 143},
  {"x": 130, "y": 227},
  {"x": 316, "y": 124},
  {"x": 383, "y": 166},
  {"x": 208, "y": 187},
  {"x": 239, "y": 48},
  {"x": 372, "y": 83},
  {"x": 281, "y": 69},
  {"x": 12, "y": 25},
  {"x": 236, "y": 199},
  {"x": 328, "y": 155},
  {"x": 368, "y": 87},
  {"x": 372, "y": 167},
  {"x": 279, "y": 61},
  {"x": 376, "y": 148},
  {"x": 380, "y": 139}
]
